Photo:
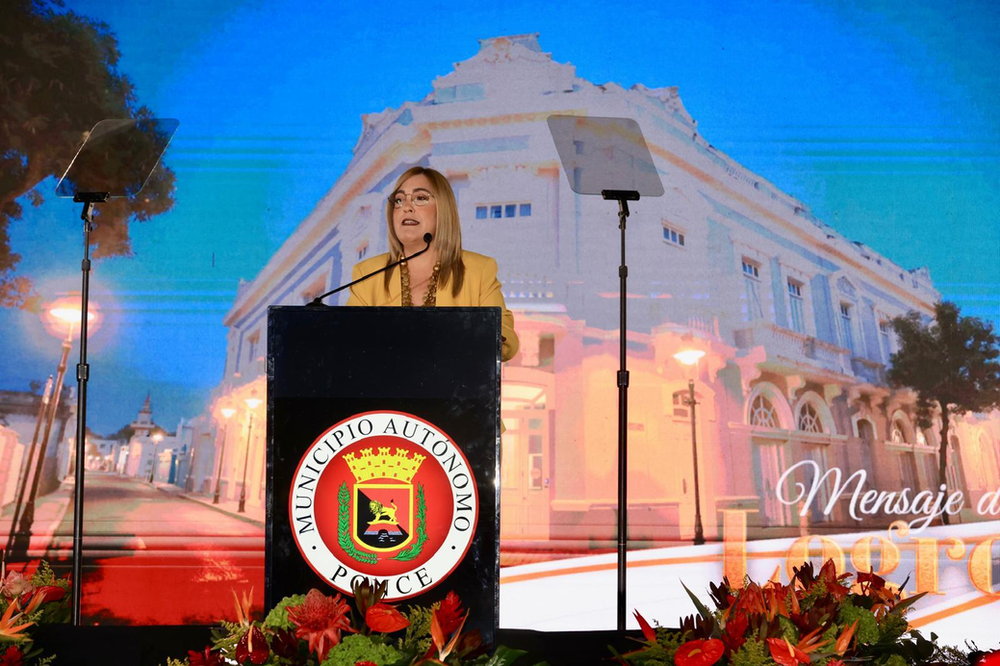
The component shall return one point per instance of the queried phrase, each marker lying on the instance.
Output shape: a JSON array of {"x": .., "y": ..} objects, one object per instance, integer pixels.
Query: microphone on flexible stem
[{"x": 319, "y": 299}]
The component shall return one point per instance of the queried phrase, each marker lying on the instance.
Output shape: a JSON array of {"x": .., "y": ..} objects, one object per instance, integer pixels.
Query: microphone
[{"x": 319, "y": 299}]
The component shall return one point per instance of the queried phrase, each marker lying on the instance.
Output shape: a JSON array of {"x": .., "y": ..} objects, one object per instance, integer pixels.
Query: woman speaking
[{"x": 446, "y": 275}]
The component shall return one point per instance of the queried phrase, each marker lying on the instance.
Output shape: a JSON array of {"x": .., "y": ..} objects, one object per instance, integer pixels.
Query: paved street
[{"x": 152, "y": 556}]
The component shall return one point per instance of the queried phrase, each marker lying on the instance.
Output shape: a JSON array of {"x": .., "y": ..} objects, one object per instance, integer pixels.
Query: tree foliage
[
  {"x": 951, "y": 364},
  {"x": 58, "y": 77}
]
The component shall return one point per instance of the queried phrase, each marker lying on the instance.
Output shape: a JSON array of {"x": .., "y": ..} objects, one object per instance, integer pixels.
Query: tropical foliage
[
  {"x": 318, "y": 630},
  {"x": 26, "y": 602},
  {"x": 817, "y": 618}
]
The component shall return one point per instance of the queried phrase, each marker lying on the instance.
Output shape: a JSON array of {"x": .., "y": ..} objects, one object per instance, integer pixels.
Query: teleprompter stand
[
  {"x": 115, "y": 161},
  {"x": 609, "y": 157}
]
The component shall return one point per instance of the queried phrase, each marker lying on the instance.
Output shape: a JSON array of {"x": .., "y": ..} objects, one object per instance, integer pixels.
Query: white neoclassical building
[{"x": 793, "y": 318}]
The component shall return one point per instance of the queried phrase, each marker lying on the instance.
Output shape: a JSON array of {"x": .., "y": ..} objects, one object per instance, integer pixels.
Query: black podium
[{"x": 383, "y": 430}]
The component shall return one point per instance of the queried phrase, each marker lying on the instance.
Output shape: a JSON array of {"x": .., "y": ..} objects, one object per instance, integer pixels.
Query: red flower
[
  {"x": 785, "y": 653},
  {"x": 736, "y": 628},
  {"x": 284, "y": 643},
  {"x": 874, "y": 581},
  {"x": 32, "y": 600},
  {"x": 470, "y": 645},
  {"x": 647, "y": 630},
  {"x": 320, "y": 619},
  {"x": 51, "y": 592},
  {"x": 254, "y": 646},
  {"x": 449, "y": 614},
  {"x": 204, "y": 658},
  {"x": 12, "y": 656},
  {"x": 989, "y": 659},
  {"x": 699, "y": 652},
  {"x": 365, "y": 663},
  {"x": 385, "y": 619}
]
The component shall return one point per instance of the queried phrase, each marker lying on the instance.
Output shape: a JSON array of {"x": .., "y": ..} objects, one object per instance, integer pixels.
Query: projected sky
[{"x": 883, "y": 120}]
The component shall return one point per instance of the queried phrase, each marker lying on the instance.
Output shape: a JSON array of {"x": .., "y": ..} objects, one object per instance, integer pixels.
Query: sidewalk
[
  {"x": 50, "y": 510},
  {"x": 253, "y": 515}
]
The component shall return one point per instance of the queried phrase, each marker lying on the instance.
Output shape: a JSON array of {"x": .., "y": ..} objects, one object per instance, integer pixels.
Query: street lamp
[
  {"x": 690, "y": 357},
  {"x": 252, "y": 403},
  {"x": 157, "y": 438},
  {"x": 59, "y": 316},
  {"x": 25, "y": 472},
  {"x": 227, "y": 413}
]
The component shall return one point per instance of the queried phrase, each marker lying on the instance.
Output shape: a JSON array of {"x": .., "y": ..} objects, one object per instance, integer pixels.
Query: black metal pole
[
  {"x": 82, "y": 376},
  {"x": 622, "y": 198},
  {"x": 699, "y": 533}
]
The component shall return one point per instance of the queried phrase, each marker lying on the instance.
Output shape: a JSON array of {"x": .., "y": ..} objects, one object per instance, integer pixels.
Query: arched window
[
  {"x": 921, "y": 438},
  {"x": 896, "y": 432},
  {"x": 813, "y": 416},
  {"x": 901, "y": 429},
  {"x": 762, "y": 413},
  {"x": 809, "y": 419}
]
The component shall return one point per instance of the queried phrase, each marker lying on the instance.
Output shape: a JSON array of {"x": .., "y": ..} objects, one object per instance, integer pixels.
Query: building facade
[
  {"x": 793, "y": 318},
  {"x": 26, "y": 417}
]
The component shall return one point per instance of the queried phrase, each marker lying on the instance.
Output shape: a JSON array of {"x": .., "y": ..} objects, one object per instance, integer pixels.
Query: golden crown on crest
[{"x": 400, "y": 464}]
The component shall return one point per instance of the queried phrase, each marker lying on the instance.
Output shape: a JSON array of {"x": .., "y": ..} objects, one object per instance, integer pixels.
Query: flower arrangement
[
  {"x": 814, "y": 619},
  {"x": 317, "y": 630},
  {"x": 25, "y": 602}
]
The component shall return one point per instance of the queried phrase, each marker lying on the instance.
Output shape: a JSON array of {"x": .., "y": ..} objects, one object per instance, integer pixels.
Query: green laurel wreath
[
  {"x": 411, "y": 553},
  {"x": 344, "y": 528}
]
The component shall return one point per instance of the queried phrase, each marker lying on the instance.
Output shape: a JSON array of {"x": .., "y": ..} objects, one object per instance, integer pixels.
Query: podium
[{"x": 383, "y": 431}]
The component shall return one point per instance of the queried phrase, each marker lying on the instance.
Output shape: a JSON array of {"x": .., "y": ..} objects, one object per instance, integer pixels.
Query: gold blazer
[{"x": 481, "y": 288}]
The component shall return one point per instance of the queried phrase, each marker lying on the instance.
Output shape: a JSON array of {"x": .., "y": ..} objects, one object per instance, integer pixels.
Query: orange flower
[
  {"x": 243, "y": 607},
  {"x": 785, "y": 653},
  {"x": 439, "y": 635},
  {"x": 700, "y": 652},
  {"x": 844, "y": 640},
  {"x": 9, "y": 628}
]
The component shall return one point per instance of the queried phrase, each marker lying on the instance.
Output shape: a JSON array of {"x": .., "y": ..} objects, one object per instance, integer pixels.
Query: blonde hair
[{"x": 448, "y": 239}]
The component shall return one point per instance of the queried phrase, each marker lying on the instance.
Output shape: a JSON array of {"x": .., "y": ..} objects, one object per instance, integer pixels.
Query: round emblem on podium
[{"x": 384, "y": 495}]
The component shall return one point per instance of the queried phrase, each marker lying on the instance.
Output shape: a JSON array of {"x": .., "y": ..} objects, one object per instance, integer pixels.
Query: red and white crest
[{"x": 384, "y": 495}]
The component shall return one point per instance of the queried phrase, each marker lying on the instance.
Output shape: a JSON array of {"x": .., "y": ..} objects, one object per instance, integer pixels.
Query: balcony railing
[
  {"x": 795, "y": 347},
  {"x": 871, "y": 372}
]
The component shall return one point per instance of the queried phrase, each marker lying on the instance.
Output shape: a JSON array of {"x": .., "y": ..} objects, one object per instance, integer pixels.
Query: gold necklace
[{"x": 430, "y": 296}]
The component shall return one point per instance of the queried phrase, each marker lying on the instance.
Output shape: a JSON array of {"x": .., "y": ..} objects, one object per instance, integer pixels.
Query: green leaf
[
  {"x": 504, "y": 656},
  {"x": 906, "y": 603},
  {"x": 702, "y": 608}
]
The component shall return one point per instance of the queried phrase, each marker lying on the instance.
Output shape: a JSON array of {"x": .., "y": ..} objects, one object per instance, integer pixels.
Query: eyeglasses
[{"x": 398, "y": 200}]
